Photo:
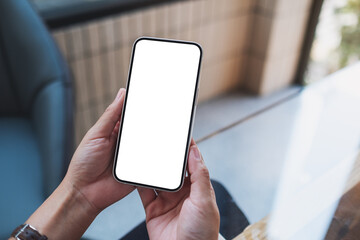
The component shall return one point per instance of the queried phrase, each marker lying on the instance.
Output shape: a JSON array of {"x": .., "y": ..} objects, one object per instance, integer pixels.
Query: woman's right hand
[{"x": 190, "y": 213}]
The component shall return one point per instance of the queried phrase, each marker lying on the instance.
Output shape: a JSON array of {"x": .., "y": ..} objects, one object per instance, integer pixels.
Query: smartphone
[{"x": 157, "y": 118}]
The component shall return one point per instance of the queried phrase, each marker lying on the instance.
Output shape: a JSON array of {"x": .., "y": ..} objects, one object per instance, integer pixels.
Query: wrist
[
  {"x": 66, "y": 208},
  {"x": 77, "y": 195}
]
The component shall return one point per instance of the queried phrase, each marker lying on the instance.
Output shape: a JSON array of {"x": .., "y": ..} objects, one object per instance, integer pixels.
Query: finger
[
  {"x": 199, "y": 174},
  {"x": 116, "y": 128},
  {"x": 192, "y": 142},
  {"x": 106, "y": 124},
  {"x": 175, "y": 197},
  {"x": 115, "y": 132},
  {"x": 147, "y": 196}
]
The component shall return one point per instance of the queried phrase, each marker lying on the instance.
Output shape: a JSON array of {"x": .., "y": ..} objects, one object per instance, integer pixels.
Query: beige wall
[
  {"x": 248, "y": 44},
  {"x": 98, "y": 52},
  {"x": 277, "y": 29}
]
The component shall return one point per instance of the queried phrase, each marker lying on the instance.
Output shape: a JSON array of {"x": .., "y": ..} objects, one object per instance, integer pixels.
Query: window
[{"x": 337, "y": 39}]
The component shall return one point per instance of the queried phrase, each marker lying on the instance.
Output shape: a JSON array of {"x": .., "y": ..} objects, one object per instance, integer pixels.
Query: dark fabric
[
  {"x": 35, "y": 97},
  {"x": 139, "y": 232},
  {"x": 232, "y": 219}
]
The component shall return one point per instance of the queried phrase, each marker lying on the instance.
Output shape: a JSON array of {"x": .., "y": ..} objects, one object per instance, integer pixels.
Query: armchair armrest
[{"x": 52, "y": 119}]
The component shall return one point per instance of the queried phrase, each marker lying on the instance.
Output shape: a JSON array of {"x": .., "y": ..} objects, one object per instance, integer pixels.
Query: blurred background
[
  {"x": 337, "y": 39},
  {"x": 259, "y": 55},
  {"x": 246, "y": 44},
  {"x": 252, "y": 46}
]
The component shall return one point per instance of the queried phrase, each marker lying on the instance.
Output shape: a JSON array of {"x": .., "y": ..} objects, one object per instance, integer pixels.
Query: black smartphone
[{"x": 159, "y": 108}]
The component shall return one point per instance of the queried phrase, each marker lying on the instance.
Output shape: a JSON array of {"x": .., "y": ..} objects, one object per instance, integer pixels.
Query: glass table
[{"x": 318, "y": 195}]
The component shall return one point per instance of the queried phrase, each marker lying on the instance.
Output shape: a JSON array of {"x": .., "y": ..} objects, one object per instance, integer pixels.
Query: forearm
[{"x": 66, "y": 214}]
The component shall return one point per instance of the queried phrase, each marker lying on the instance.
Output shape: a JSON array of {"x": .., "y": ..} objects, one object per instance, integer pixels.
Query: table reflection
[{"x": 319, "y": 190}]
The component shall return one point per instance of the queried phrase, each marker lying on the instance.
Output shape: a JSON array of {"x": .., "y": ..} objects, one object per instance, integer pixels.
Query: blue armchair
[{"x": 36, "y": 116}]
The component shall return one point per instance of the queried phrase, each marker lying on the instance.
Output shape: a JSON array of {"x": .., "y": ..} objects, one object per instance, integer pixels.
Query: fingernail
[{"x": 196, "y": 152}]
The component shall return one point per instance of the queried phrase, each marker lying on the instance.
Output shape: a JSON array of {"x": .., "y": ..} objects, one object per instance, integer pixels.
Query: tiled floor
[{"x": 233, "y": 148}]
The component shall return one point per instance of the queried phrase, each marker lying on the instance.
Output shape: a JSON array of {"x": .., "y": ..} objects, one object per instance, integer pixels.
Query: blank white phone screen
[{"x": 158, "y": 113}]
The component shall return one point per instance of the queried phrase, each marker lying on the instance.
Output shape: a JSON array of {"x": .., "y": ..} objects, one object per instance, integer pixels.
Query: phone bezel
[{"x": 191, "y": 118}]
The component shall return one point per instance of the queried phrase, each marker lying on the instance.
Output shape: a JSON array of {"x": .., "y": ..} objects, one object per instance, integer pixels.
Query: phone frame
[{"x": 193, "y": 110}]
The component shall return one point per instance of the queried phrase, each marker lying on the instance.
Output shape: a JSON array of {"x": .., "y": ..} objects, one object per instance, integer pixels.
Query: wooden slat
[{"x": 98, "y": 52}]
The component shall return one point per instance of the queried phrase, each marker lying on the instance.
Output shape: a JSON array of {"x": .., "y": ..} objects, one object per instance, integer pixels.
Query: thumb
[
  {"x": 107, "y": 122},
  {"x": 199, "y": 175}
]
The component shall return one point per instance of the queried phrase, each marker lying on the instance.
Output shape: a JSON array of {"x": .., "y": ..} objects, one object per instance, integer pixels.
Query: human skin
[
  {"x": 89, "y": 187},
  {"x": 190, "y": 213}
]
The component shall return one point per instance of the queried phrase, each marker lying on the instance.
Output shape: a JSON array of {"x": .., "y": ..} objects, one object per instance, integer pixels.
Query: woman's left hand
[
  {"x": 89, "y": 185},
  {"x": 90, "y": 170}
]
